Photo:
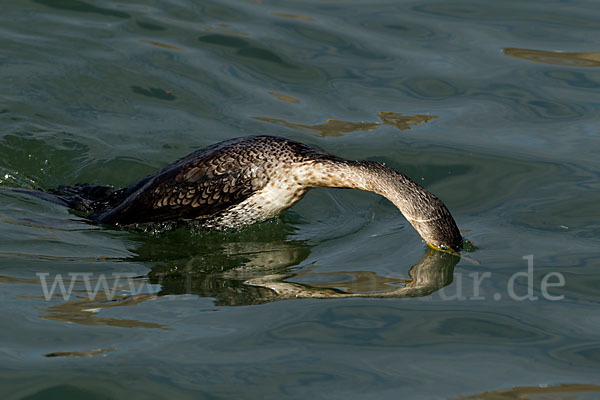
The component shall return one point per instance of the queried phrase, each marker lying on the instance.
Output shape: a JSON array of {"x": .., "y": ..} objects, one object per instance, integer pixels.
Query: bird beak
[{"x": 444, "y": 249}]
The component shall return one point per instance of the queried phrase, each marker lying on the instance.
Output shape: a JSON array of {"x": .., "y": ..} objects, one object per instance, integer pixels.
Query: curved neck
[{"x": 425, "y": 212}]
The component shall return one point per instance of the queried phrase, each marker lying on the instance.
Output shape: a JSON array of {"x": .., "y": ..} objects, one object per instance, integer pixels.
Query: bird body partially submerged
[
  {"x": 247, "y": 180},
  {"x": 230, "y": 184}
]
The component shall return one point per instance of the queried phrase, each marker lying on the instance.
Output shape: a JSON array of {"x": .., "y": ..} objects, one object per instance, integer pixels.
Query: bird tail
[{"x": 81, "y": 197}]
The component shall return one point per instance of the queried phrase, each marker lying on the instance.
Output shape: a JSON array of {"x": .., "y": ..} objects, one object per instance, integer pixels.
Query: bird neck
[{"x": 425, "y": 212}]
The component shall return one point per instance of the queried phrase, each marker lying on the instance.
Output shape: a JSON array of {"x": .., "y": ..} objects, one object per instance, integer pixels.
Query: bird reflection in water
[
  {"x": 255, "y": 266},
  {"x": 270, "y": 274}
]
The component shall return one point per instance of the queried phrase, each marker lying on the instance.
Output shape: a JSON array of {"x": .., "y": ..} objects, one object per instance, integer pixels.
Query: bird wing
[{"x": 187, "y": 190}]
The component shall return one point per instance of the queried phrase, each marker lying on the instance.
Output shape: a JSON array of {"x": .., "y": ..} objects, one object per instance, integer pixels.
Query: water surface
[{"x": 491, "y": 105}]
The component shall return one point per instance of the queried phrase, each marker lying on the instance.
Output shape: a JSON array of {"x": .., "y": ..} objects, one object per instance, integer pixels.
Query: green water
[{"x": 492, "y": 105}]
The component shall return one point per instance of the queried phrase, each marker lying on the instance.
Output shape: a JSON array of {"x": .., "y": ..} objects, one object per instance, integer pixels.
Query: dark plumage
[
  {"x": 207, "y": 182},
  {"x": 251, "y": 179}
]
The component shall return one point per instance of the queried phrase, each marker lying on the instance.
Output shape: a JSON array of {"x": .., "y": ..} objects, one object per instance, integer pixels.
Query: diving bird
[{"x": 251, "y": 179}]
